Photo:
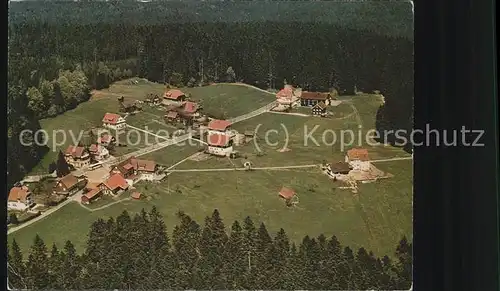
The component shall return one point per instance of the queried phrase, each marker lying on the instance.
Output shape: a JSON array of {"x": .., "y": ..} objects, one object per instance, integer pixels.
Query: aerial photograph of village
[{"x": 210, "y": 145}]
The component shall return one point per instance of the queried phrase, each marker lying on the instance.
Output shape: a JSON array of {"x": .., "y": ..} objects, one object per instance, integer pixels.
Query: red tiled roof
[
  {"x": 190, "y": 107},
  {"x": 173, "y": 94},
  {"x": 19, "y": 193},
  {"x": 286, "y": 193},
  {"x": 75, "y": 151},
  {"x": 286, "y": 92},
  {"x": 358, "y": 154},
  {"x": 136, "y": 195},
  {"x": 220, "y": 125},
  {"x": 111, "y": 118},
  {"x": 116, "y": 181},
  {"x": 172, "y": 114},
  {"x": 314, "y": 95},
  {"x": 218, "y": 140},
  {"x": 92, "y": 193},
  {"x": 144, "y": 165},
  {"x": 69, "y": 181}
]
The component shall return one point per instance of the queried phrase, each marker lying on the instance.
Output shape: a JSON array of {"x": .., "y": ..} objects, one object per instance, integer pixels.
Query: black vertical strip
[{"x": 456, "y": 187}]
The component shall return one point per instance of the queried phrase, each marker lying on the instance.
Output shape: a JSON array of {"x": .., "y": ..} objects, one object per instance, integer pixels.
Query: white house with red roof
[
  {"x": 217, "y": 126},
  {"x": 20, "y": 198},
  {"x": 219, "y": 144},
  {"x": 358, "y": 159},
  {"x": 106, "y": 139},
  {"x": 113, "y": 121},
  {"x": 77, "y": 156},
  {"x": 190, "y": 109}
]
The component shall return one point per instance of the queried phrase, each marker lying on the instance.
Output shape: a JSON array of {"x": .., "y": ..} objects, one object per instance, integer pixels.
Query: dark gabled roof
[{"x": 340, "y": 167}]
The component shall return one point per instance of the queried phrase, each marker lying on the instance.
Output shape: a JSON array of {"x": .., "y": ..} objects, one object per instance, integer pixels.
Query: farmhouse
[
  {"x": 319, "y": 109},
  {"x": 358, "y": 159},
  {"x": 114, "y": 185},
  {"x": 20, "y": 198},
  {"x": 69, "y": 185},
  {"x": 113, "y": 121},
  {"x": 91, "y": 195},
  {"x": 77, "y": 156},
  {"x": 191, "y": 109},
  {"x": 217, "y": 126},
  {"x": 219, "y": 144},
  {"x": 288, "y": 95},
  {"x": 98, "y": 152},
  {"x": 313, "y": 98},
  {"x": 174, "y": 95},
  {"x": 134, "y": 168}
]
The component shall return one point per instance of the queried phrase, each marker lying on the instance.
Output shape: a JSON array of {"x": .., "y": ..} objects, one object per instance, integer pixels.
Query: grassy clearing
[
  {"x": 375, "y": 219},
  {"x": 229, "y": 99}
]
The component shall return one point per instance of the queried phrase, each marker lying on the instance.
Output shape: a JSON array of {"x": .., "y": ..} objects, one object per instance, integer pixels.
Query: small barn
[{"x": 136, "y": 195}]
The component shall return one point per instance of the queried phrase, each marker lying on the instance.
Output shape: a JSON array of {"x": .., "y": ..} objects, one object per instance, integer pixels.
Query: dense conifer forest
[{"x": 135, "y": 252}]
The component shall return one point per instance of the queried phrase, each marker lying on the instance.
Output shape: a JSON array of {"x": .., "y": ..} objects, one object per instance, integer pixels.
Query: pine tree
[
  {"x": 404, "y": 264},
  {"x": 158, "y": 253},
  {"x": 332, "y": 264},
  {"x": 278, "y": 255},
  {"x": 235, "y": 259},
  {"x": 16, "y": 271},
  {"x": 211, "y": 244},
  {"x": 71, "y": 268},
  {"x": 62, "y": 166},
  {"x": 185, "y": 238},
  {"x": 263, "y": 246},
  {"x": 55, "y": 268},
  {"x": 250, "y": 238},
  {"x": 37, "y": 265}
]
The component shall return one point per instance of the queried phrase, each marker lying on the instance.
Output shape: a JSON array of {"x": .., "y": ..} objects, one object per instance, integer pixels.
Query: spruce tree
[
  {"x": 211, "y": 244},
  {"x": 159, "y": 255},
  {"x": 185, "y": 238},
  {"x": 55, "y": 268},
  {"x": 263, "y": 246},
  {"x": 235, "y": 259},
  {"x": 250, "y": 239},
  {"x": 63, "y": 168},
  {"x": 16, "y": 271},
  {"x": 71, "y": 268},
  {"x": 37, "y": 265},
  {"x": 404, "y": 264},
  {"x": 331, "y": 269},
  {"x": 278, "y": 257}
]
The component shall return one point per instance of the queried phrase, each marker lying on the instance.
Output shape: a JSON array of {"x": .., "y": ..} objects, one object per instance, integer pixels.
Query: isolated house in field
[
  {"x": 174, "y": 95},
  {"x": 319, "y": 109},
  {"x": 358, "y": 159},
  {"x": 313, "y": 98},
  {"x": 287, "y": 194},
  {"x": 217, "y": 126},
  {"x": 133, "y": 168},
  {"x": 20, "y": 198},
  {"x": 136, "y": 195},
  {"x": 91, "y": 195},
  {"x": 69, "y": 185},
  {"x": 219, "y": 144},
  {"x": 77, "y": 156},
  {"x": 98, "y": 152},
  {"x": 113, "y": 121},
  {"x": 114, "y": 185}
]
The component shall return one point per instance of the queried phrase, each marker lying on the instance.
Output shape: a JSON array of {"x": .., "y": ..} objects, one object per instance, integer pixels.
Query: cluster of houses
[
  {"x": 356, "y": 159},
  {"x": 292, "y": 97}
]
